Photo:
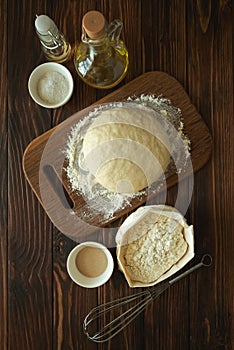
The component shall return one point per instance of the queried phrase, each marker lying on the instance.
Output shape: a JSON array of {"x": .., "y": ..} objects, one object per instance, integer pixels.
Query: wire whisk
[{"x": 105, "y": 321}]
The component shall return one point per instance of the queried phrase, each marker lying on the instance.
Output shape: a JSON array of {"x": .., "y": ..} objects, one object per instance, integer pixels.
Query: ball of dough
[{"x": 126, "y": 149}]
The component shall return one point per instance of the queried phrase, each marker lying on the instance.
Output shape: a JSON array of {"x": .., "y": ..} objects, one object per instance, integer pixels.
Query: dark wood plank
[
  {"x": 211, "y": 89},
  {"x": 3, "y": 183},
  {"x": 30, "y": 231}
]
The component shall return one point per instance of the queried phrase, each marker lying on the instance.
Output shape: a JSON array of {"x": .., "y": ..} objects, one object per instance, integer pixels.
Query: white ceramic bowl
[
  {"x": 45, "y": 70},
  {"x": 82, "y": 280}
]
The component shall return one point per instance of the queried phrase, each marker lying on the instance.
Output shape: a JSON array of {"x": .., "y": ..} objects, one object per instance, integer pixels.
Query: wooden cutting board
[{"x": 68, "y": 210}]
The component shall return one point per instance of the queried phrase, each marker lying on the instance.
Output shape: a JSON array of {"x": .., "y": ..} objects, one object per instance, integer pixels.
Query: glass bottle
[
  {"x": 53, "y": 42},
  {"x": 101, "y": 59}
]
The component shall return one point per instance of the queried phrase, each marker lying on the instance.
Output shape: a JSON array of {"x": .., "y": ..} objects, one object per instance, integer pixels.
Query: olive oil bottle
[{"x": 101, "y": 59}]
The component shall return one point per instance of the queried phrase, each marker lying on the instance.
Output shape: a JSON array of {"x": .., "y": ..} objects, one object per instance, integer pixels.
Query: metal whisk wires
[
  {"x": 105, "y": 321},
  {"x": 107, "y": 324}
]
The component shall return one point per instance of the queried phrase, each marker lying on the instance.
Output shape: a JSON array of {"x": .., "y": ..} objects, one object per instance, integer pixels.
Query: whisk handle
[{"x": 205, "y": 261}]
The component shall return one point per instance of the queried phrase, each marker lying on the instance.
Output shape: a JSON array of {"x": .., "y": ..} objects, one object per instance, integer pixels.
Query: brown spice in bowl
[{"x": 91, "y": 261}]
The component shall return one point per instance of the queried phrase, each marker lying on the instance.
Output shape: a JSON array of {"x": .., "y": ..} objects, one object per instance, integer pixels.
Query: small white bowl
[
  {"x": 43, "y": 71},
  {"x": 78, "y": 277}
]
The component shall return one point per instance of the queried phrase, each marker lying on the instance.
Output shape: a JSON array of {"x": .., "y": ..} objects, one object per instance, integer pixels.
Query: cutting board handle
[{"x": 57, "y": 186}]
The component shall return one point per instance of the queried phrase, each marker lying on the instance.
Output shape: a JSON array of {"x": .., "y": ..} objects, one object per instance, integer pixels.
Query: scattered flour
[{"x": 99, "y": 198}]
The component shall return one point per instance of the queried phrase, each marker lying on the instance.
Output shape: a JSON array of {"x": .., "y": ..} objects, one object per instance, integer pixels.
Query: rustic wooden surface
[{"x": 41, "y": 308}]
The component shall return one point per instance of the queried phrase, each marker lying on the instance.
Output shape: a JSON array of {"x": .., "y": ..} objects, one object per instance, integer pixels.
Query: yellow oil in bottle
[
  {"x": 102, "y": 67},
  {"x": 53, "y": 42},
  {"x": 60, "y": 54},
  {"x": 101, "y": 59}
]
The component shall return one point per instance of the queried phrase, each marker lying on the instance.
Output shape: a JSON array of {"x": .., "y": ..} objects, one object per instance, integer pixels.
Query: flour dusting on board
[{"x": 98, "y": 198}]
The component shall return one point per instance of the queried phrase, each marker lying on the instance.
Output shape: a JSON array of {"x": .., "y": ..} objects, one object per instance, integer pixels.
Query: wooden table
[{"x": 41, "y": 308}]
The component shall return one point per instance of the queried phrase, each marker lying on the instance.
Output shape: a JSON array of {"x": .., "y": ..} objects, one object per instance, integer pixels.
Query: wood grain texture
[
  {"x": 42, "y": 307},
  {"x": 29, "y": 230},
  {"x": 3, "y": 183},
  {"x": 209, "y": 49}
]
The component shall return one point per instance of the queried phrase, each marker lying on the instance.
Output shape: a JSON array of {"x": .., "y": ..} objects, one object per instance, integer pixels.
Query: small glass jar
[{"x": 53, "y": 42}]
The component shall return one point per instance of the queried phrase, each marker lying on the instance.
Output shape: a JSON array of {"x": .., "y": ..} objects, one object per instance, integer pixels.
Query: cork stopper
[{"x": 94, "y": 24}]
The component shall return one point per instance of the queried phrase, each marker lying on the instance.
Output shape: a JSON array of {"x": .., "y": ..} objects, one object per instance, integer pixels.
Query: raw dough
[{"x": 126, "y": 149}]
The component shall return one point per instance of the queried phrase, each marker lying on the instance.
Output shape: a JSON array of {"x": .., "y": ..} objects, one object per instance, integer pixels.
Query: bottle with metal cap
[
  {"x": 101, "y": 59},
  {"x": 53, "y": 42}
]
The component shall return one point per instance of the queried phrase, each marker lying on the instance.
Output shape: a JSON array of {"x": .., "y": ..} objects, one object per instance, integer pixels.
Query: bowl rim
[
  {"x": 59, "y": 68},
  {"x": 89, "y": 282}
]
